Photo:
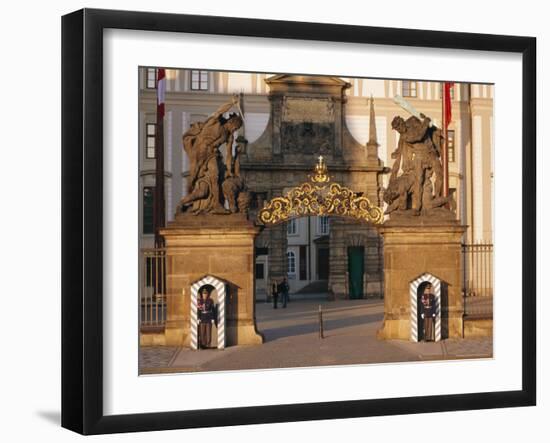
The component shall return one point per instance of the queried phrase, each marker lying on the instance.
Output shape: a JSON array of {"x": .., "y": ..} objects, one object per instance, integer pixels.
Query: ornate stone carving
[
  {"x": 410, "y": 189},
  {"x": 313, "y": 110},
  {"x": 307, "y": 137},
  {"x": 319, "y": 197},
  {"x": 211, "y": 179},
  {"x": 236, "y": 193},
  {"x": 307, "y": 125}
]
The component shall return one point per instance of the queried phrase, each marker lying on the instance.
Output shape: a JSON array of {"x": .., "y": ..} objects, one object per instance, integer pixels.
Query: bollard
[{"x": 321, "y": 335}]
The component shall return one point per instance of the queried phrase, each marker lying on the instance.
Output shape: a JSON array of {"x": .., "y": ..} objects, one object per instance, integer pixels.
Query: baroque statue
[
  {"x": 416, "y": 180},
  {"x": 213, "y": 179}
]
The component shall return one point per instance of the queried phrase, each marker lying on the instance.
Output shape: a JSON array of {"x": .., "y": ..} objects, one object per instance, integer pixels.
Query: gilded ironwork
[{"x": 320, "y": 197}]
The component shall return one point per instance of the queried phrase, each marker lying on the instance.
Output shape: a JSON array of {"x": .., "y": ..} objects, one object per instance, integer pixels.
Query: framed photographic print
[{"x": 271, "y": 221}]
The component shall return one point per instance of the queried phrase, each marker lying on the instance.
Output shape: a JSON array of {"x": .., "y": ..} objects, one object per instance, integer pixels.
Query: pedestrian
[
  {"x": 427, "y": 303},
  {"x": 275, "y": 293},
  {"x": 206, "y": 315},
  {"x": 283, "y": 290}
]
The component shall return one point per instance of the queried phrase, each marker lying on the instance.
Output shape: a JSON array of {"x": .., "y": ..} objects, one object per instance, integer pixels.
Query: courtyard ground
[{"x": 292, "y": 340}]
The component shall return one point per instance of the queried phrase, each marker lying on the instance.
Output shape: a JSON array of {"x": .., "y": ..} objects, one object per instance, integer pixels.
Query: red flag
[
  {"x": 447, "y": 102},
  {"x": 446, "y": 112}
]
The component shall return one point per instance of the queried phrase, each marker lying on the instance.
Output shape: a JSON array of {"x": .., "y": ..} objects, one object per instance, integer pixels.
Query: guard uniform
[
  {"x": 428, "y": 315},
  {"x": 207, "y": 315}
]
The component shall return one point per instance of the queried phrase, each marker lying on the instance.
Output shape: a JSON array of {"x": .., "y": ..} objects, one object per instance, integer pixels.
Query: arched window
[{"x": 291, "y": 259}]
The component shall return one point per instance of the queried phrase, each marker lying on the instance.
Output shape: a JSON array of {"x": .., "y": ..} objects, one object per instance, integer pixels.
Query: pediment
[
  {"x": 320, "y": 80},
  {"x": 309, "y": 85}
]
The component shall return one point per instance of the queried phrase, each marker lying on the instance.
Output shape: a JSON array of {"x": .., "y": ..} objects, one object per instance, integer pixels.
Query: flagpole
[
  {"x": 444, "y": 150},
  {"x": 159, "y": 205}
]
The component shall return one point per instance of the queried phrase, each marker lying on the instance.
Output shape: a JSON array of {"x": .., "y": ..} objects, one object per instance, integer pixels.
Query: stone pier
[
  {"x": 414, "y": 246},
  {"x": 221, "y": 246}
]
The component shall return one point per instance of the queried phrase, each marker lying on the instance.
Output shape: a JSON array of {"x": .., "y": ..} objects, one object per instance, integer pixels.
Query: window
[
  {"x": 199, "y": 80},
  {"x": 260, "y": 271},
  {"x": 151, "y": 78},
  {"x": 150, "y": 139},
  {"x": 323, "y": 225},
  {"x": 291, "y": 227},
  {"x": 291, "y": 259},
  {"x": 261, "y": 250},
  {"x": 409, "y": 89},
  {"x": 148, "y": 202},
  {"x": 451, "y": 145}
]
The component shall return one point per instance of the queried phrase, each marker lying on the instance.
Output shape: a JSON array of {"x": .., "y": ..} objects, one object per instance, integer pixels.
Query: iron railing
[
  {"x": 477, "y": 270},
  {"x": 477, "y": 282},
  {"x": 152, "y": 295}
]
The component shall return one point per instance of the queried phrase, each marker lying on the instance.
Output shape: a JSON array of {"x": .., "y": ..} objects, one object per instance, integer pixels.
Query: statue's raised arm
[{"x": 226, "y": 107}]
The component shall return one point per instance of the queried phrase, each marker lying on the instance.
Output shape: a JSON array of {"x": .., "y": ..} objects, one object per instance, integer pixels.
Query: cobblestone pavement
[
  {"x": 291, "y": 340},
  {"x": 480, "y": 347},
  {"x": 155, "y": 357}
]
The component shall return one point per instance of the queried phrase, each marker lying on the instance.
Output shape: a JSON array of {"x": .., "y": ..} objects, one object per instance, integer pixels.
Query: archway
[{"x": 321, "y": 197}]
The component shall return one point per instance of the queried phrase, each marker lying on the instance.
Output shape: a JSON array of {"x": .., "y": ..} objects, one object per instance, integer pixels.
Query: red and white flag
[
  {"x": 161, "y": 92},
  {"x": 447, "y": 102}
]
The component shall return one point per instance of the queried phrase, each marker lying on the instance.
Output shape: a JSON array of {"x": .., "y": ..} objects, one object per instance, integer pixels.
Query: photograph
[
  {"x": 275, "y": 222},
  {"x": 269, "y": 221},
  {"x": 291, "y": 220}
]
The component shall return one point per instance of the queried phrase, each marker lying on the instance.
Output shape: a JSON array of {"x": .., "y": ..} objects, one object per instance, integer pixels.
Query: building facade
[{"x": 290, "y": 120}]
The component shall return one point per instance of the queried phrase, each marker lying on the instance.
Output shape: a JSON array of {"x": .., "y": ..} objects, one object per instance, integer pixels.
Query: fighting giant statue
[
  {"x": 211, "y": 180},
  {"x": 417, "y": 160}
]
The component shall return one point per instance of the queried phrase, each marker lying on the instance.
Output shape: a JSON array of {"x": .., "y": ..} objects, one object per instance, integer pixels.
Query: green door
[{"x": 356, "y": 259}]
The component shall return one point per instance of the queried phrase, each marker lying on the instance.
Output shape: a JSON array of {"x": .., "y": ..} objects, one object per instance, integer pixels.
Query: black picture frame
[{"x": 82, "y": 218}]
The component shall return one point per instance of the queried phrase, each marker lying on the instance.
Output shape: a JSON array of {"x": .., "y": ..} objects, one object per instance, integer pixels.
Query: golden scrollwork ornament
[{"x": 320, "y": 197}]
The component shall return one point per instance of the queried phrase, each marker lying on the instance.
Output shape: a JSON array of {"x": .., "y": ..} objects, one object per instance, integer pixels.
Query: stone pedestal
[
  {"x": 414, "y": 246},
  {"x": 221, "y": 246}
]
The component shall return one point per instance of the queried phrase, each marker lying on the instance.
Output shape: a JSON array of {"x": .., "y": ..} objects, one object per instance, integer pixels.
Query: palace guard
[
  {"x": 427, "y": 303},
  {"x": 206, "y": 315}
]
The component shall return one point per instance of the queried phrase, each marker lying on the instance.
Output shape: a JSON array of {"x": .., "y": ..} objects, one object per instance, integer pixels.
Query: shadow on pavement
[{"x": 289, "y": 329}]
